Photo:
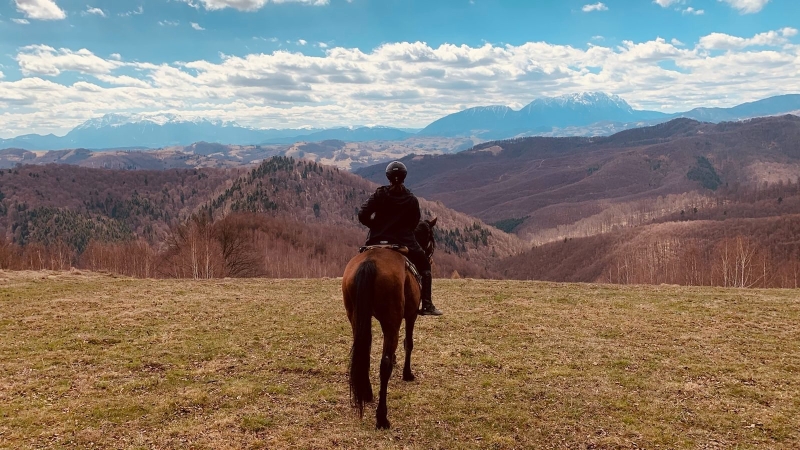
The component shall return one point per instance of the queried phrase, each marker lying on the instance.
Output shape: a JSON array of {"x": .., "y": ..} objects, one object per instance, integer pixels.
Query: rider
[{"x": 392, "y": 213}]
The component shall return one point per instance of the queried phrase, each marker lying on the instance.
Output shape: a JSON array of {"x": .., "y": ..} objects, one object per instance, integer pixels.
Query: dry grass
[{"x": 89, "y": 360}]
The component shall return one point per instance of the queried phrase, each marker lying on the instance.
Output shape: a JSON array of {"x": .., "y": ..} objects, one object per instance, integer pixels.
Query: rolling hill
[
  {"x": 297, "y": 213},
  {"x": 547, "y": 183}
]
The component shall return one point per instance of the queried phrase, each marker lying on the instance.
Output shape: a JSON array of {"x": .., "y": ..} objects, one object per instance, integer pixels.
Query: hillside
[
  {"x": 282, "y": 218},
  {"x": 92, "y": 360},
  {"x": 542, "y": 184}
]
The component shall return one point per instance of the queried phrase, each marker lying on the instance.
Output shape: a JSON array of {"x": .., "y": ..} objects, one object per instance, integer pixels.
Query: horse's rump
[{"x": 396, "y": 286}]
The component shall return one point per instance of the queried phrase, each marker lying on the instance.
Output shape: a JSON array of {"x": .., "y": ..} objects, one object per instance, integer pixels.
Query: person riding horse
[{"x": 391, "y": 214}]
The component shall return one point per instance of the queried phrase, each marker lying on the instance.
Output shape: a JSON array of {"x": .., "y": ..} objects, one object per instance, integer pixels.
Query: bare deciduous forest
[
  {"x": 654, "y": 206},
  {"x": 284, "y": 218}
]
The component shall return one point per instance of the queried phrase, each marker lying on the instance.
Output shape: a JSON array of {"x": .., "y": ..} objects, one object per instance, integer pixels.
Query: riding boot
[{"x": 427, "y": 304}]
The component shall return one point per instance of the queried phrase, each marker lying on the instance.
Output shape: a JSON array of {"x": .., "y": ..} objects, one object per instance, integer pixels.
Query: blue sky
[{"x": 393, "y": 62}]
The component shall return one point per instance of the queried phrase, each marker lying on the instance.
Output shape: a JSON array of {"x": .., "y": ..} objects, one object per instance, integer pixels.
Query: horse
[{"x": 378, "y": 283}]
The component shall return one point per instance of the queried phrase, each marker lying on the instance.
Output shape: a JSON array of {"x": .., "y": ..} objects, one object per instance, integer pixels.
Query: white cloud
[
  {"x": 95, "y": 11},
  {"x": 135, "y": 12},
  {"x": 116, "y": 56},
  {"x": 197, "y": 26},
  {"x": 677, "y": 43},
  {"x": 40, "y": 9},
  {"x": 246, "y": 5},
  {"x": 405, "y": 83},
  {"x": 1, "y": 75},
  {"x": 45, "y": 60},
  {"x": 21, "y": 21},
  {"x": 191, "y": 3},
  {"x": 667, "y": 3},
  {"x": 123, "y": 80},
  {"x": 696, "y": 12},
  {"x": 322, "y": 45},
  {"x": 302, "y": 42},
  {"x": 599, "y": 6},
  {"x": 722, "y": 41},
  {"x": 747, "y": 6},
  {"x": 168, "y": 23}
]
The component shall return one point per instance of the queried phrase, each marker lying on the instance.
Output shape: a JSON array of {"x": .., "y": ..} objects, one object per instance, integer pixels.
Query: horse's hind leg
[
  {"x": 408, "y": 343},
  {"x": 390, "y": 338}
]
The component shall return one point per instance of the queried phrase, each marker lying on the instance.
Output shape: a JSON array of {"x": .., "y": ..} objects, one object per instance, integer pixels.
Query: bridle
[{"x": 431, "y": 247}]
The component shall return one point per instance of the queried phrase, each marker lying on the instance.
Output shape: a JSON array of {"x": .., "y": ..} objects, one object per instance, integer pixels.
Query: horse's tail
[{"x": 360, "y": 387}]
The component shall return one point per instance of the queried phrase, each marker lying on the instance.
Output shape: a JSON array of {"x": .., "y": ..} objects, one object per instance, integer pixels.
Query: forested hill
[
  {"x": 290, "y": 218},
  {"x": 544, "y": 185}
]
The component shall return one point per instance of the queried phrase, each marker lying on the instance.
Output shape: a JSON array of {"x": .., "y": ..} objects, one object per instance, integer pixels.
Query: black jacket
[{"x": 396, "y": 215}]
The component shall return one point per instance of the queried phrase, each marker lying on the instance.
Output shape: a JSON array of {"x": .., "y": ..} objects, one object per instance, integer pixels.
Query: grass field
[{"x": 95, "y": 361}]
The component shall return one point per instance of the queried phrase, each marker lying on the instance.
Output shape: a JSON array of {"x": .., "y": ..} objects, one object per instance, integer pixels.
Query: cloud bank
[{"x": 400, "y": 84}]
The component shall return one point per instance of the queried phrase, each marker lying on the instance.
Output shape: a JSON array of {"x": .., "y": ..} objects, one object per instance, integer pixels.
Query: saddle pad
[{"x": 403, "y": 250}]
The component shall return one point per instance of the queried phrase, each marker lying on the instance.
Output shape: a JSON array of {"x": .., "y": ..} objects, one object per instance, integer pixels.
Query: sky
[{"x": 402, "y": 63}]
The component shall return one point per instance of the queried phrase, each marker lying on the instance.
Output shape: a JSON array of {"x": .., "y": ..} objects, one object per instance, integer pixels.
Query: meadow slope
[{"x": 93, "y": 360}]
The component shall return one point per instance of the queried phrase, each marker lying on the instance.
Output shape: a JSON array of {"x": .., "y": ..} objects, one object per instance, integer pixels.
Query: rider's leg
[{"x": 417, "y": 256}]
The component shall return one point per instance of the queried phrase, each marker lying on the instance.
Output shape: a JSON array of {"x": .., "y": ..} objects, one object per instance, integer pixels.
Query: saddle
[{"x": 403, "y": 250}]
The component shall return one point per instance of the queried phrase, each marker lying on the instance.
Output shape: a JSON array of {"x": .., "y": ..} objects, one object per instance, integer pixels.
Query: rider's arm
[
  {"x": 367, "y": 209},
  {"x": 415, "y": 215}
]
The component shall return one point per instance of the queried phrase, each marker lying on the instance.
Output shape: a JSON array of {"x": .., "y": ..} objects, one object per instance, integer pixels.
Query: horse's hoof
[
  {"x": 383, "y": 424},
  {"x": 409, "y": 377}
]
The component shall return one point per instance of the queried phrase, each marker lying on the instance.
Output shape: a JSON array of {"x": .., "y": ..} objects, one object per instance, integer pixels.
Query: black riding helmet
[{"x": 396, "y": 172}]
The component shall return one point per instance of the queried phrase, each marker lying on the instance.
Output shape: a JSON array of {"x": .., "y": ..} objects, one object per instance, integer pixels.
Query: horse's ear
[{"x": 432, "y": 222}]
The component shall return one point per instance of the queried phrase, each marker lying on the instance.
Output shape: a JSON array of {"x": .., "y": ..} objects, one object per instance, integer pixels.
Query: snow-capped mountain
[
  {"x": 588, "y": 114},
  {"x": 583, "y": 114},
  {"x": 163, "y": 130},
  {"x": 155, "y": 130},
  {"x": 116, "y": 120},
  {"x": 539, "y": 116}
]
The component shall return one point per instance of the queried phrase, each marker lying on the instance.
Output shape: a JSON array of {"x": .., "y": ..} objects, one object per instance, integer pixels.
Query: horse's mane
[{"x": 423, "y": 233}]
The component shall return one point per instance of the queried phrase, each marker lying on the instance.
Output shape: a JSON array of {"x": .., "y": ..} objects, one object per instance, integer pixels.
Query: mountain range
[
  {"x": 587, "y": 114},
  {"x": 541, "y": 115},
  {"x": 139, "y": 131},
  {"x": 584, "y": 114}
]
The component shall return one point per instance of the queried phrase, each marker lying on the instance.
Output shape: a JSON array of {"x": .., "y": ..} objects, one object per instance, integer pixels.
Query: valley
[{"x": 668, "y": 203}]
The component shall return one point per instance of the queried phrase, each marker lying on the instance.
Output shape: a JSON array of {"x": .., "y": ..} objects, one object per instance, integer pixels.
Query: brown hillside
[
  {"x": 548, "y": 183},
  {"x": 299, "y": 209},
  {"x": 757, "y": 252}
]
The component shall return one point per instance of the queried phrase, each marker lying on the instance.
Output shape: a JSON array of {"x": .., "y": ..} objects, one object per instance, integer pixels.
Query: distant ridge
[
  {"x": 541, "y": 115},
  {"x": 120, "y": 131},
  {"x": 587, "y": 114},
  {"x": 580, "y": 114}
]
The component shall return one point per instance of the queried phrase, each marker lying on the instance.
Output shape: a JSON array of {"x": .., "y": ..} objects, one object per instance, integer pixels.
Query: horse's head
[{"x": 424, "y": 235}]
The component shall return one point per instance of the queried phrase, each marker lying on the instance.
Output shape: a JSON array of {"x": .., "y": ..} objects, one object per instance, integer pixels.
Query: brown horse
[{"x": 377, "y": 283}]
